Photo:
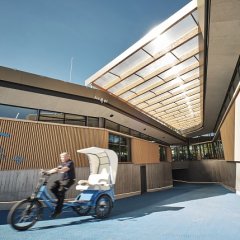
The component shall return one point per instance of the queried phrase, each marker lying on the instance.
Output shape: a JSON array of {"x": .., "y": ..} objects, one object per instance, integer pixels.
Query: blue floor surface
[{"x": 187, "y": 211}]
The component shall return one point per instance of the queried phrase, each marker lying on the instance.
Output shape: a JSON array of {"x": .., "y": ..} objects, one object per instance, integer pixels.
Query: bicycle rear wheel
[
  {"x": 103, "y": 207},
  {"x": 82, "y": 210},
  {"x": 24, "y": 214}
]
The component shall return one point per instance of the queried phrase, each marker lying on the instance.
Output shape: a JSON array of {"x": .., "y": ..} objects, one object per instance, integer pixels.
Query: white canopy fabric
[{"x": 102, "y": 161}]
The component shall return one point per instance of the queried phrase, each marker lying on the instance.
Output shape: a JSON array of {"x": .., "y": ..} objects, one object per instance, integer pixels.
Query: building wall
[
  {"x": 159, "y": 176},
  {"x": 144, "y": 151},
  {"x": 35, "y": 145},
  {"x": 220, "y": 171},
  {"x": 169, "y": 154},
  {"x": 227, "y": 131},
  {"x": 19, "y": 184},
  {"x": 26, "y": 147},
  {"x": 237, "y": 129},
  {"x": 237, "y": 142}
]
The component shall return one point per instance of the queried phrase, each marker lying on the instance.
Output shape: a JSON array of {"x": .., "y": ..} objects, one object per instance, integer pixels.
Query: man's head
[{"x": 65, "y": 156}]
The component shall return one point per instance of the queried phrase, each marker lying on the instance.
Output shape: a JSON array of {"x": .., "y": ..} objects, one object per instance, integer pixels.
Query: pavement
[{"x": 187, "y": 211}]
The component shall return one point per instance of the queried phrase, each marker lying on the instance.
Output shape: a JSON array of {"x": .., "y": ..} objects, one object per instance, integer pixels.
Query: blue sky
[{"x": 41, "y": 36}]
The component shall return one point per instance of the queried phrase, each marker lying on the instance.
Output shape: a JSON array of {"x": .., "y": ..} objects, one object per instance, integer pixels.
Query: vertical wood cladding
[
  {"x": 35, "y": 145},
  {"x": 227, "y": 134},
  {"x": 169, "y": 154},
  {"x": 144, "y": 152},
  {"x": 159, "y": 175}
]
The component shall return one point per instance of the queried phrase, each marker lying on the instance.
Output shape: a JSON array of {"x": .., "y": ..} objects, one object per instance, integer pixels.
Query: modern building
[{"x": 169, "y": 106}]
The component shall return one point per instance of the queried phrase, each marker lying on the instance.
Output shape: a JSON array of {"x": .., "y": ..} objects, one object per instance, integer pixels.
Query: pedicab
[{"x": 96, "y": 196}]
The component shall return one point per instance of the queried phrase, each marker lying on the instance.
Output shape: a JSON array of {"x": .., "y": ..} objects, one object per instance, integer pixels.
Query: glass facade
[
  {"x": 163, "y": 153},
  {"x": 194, "y": 151},
  {"x": 207, "y": 150},
  {"x": 67, "y": 118},
  {"x": 47, "y": 116},
  {"x": 18, "y": 112},
  {"x": 121, "y": 145}
]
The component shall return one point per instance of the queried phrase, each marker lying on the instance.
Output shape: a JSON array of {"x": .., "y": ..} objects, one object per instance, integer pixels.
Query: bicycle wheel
[
  {"x": 103, "y": 207},
  {"x": 24, "y": 214},
  {"x": 82, "y": 210}
]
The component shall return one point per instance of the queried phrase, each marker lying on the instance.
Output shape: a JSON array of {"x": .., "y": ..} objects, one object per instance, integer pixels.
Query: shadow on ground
[{"x": 139, "y": 206}]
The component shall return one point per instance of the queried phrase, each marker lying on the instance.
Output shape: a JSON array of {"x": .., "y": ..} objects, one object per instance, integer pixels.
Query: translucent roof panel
[
  {"x": 195, "y": 15},
  {"x": 186, "y": 47},
  {"x": 106, "y": 78},
  {"x": 131, "y": 81},
  {"x": 158, "y": 64},
  {"x": 137, "y": 59},
  {"x": 148, "y": 84},
  {"x": 171, "y": 35},
  {"x": 159, "y": 75}
]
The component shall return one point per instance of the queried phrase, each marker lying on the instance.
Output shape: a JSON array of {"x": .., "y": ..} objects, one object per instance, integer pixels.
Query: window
[
  {"x": 135, "y": 133},
  {"x": 124, "y": 130},
  {"x": 75, "y": 119},
  {"x": 92, "y": 122},
  {"x": 163, "y": 153},
  {"x": 111, "y": 125},
  {"x": 48, "y": 116},
  {"x": 18, "y": 112},
  {"x": 121, "y": 145}
]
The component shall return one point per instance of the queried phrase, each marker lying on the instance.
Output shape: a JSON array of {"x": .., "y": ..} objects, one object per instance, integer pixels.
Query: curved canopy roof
[{"x": 160, "y": 74}]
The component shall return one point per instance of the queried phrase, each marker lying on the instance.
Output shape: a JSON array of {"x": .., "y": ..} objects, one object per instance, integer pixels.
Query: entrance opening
[{"x": 143, "y": 179}]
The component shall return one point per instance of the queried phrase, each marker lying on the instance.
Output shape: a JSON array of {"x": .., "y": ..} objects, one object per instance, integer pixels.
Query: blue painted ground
[{"x": 188, "y": 211}]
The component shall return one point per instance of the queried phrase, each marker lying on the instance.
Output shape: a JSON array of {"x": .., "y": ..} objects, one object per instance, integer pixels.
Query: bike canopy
[{"x": 102, "y": 161}]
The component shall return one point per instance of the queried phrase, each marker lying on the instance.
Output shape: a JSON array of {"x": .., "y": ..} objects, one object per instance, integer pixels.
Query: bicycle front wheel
[{"x": 24, "y": 214}]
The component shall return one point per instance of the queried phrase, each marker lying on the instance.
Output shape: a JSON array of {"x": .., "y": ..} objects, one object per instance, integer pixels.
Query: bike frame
[{"x": 85, "y": 198}]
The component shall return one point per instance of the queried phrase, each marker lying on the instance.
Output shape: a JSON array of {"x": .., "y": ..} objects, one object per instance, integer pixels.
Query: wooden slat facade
[
  {"x": 35, "y": 145},
  {"x": 144, "y": 152},
  {"x": 227, "y": 131},
  {"x": 169, "y": 154},
  {"x": 27, "y": 146},
  {"x": 159, "y": 175}
]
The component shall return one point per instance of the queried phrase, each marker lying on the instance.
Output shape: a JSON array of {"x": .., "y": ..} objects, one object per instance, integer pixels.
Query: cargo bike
[{"x": 96, "y": 195}]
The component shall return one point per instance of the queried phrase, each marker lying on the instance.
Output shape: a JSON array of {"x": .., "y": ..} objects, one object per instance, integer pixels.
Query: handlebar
[{"x": 44, "y": 173}]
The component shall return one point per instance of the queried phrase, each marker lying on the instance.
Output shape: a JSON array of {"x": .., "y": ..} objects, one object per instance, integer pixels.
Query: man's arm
[{"x": 57, "y": 170}]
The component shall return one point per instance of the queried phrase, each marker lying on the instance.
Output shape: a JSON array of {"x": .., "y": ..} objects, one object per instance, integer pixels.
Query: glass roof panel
[
  {"x": 127, "y": 94},
  {"x": 159, "y": 75},
  {"x": 197, "y": 56},
  {"x": 154, "y": 106},
  {"x": 137, "y": 59},
  {"x": 171, "y": 35},
  {"x": 158, "y": 64},
  {"x": 166, "y": 107},
  {"x": 177, "y": 68},
  {"x": 173, "y": 99},
  {"x": 142, "y": 105},
  {"x": 159, "y": 98},
  {"x": 147, "y": 84},
  {"x": 187, "y": 47},
  {"x": 142, "y": 97},
  {"x": 195, "y": 15},
  {"x": 190, "y": 74},
  {"x": 169, "y": 85},
  {"x": 106, "y": 79},
  {"x": 186, "y": 86},
  {"x": 188, "y": 99},
  {"x": 132, "y": 80}
]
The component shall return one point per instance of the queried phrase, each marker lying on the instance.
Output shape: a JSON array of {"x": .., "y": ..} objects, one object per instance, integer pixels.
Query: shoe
[{"x": 55, "y": 214}]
